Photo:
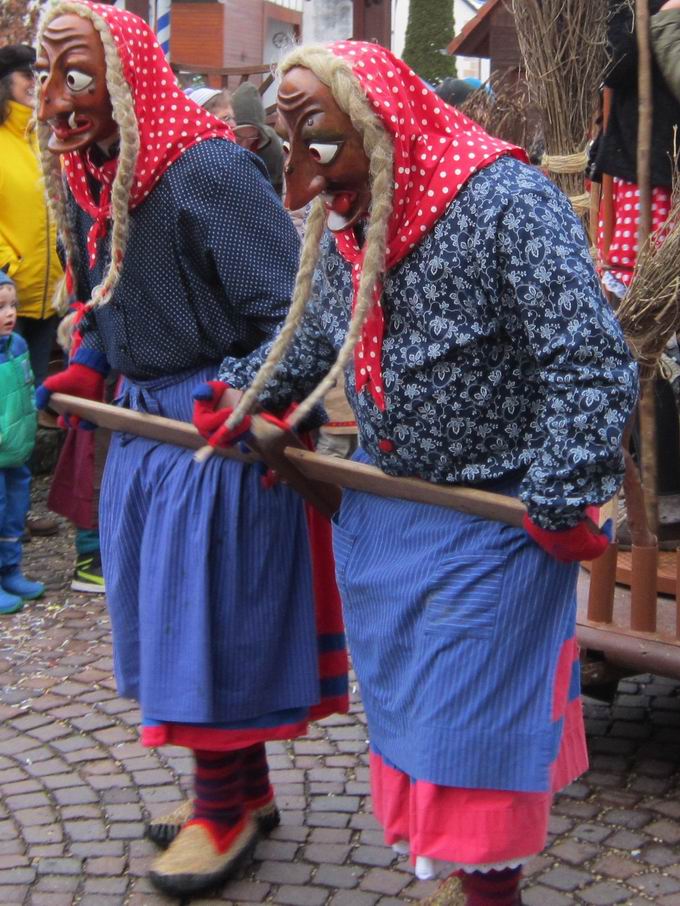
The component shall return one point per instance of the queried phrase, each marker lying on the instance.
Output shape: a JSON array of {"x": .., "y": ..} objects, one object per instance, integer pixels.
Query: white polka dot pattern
[
  {"x": 168, "y": 122},
  {"x": 621, "y": 256},
  {"x": 209, "y": 267},
  {"x": 436, "y": 150}
]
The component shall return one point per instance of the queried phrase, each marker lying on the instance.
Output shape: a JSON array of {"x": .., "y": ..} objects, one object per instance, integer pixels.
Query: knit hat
[
  {"x": 5, "y": 280},
  {"x": 15, "y": 58},
  {"x": 201, "y": 96},
  {"x": 248, "y": 106}
]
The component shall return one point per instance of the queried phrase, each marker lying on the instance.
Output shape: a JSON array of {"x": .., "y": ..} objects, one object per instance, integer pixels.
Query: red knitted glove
[
  {"x": 77, "y": 380},
  {"x": 210, "y": 421},
  {"x": 570, "y": 545}
]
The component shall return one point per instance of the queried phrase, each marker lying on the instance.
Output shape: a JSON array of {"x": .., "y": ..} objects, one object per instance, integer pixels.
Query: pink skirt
[{"x": 473, "y": 827}]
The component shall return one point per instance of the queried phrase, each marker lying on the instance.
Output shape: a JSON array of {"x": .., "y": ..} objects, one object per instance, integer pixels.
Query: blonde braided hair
[
  {"x": 337, "y": 75},
  {"x": 122, "y": 105}
]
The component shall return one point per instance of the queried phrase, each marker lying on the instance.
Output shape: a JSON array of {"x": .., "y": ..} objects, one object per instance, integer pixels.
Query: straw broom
[{"x": 563, "y": 47}]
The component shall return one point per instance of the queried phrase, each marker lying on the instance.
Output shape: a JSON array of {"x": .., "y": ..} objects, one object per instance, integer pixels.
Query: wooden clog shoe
[
  {"x": 197, "y": 860},
  {"x": 163, "y": 830}
]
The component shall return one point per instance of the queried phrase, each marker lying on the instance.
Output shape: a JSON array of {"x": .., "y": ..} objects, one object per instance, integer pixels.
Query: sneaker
[
  {"x": 16, "y": 583},
  {"x": 9, "y": 603},
  {"x": 88, "y": 576}
]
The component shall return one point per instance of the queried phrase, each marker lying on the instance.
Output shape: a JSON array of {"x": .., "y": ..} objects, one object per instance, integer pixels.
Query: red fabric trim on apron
[
  {"x": 436, "y": 150},
  {"x": 167, "y": 120},
  {"x": 475, "y": 826}
]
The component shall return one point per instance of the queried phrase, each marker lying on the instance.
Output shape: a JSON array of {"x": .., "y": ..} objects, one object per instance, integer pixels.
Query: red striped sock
[
  {"x": 257, "y": 789},
  {"x": 492, "y": 888},
  {"x": 219, "y": 787}
]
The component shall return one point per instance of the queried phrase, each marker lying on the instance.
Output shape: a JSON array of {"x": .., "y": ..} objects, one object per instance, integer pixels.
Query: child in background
[{"x": 17, "y": 437}]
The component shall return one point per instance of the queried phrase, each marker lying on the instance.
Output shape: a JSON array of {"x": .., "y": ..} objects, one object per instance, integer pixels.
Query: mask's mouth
[
  {"x": 66, "y": 126},
  {"x": 339, "y": 206}
]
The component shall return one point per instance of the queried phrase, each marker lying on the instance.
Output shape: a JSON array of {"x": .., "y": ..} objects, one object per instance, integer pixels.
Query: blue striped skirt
[
  {"x": 208, "y": 579},
  {"x": 455, "y": 625}
]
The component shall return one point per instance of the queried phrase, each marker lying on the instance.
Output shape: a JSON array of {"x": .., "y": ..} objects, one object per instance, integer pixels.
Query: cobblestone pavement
[{"x": 76, "y": 787}]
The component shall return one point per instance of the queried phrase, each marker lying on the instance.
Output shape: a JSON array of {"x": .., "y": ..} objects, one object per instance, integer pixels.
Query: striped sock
[
  {"x": 257, "y": 789},
  {"x": 219, "y": 787},
  {"x": 492, "y": 888}
]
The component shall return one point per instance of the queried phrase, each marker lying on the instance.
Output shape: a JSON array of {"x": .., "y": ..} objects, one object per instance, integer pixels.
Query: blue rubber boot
[
  {"x": 9, "y": 603},
  {"x": 15, "y": 583}
]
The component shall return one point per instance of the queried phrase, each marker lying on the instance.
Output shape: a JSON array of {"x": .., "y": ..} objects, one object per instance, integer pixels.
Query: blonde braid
[
  {"x": 338, "y": 76},
  {"x": 374, "y": 266},
  {"x": 122, "y": 105}
]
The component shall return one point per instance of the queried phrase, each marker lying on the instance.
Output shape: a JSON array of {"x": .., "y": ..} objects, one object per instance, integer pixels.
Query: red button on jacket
[{"x": 386, "y": 446}]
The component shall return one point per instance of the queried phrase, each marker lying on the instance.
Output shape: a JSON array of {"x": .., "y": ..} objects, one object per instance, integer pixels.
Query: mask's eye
[
  {"x": 324, "y": 153},
  {"x": 286, "y": 147},
  {"x": 41, "y": 76},
  {"x": 78, "y": 81}
]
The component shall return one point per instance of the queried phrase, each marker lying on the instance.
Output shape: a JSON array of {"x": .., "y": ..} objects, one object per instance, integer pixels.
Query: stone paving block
[
  {"x": 50, "y": 898},
  {"x": 17, "y": 876},
  {"x": 659, "y": 856},
  {"x": 667, "y": 831},
  {"x": 613, "y": 866},
  {"x": 593, "y": 833},
  {"x": 245, "y": 891},
  {"x": 343, "y": 877},
  {"x": 380, "y": 856},
  {"x": 127, "y": 830},
  {"x": 330, "y": 835},
  {"x": 43, "y": 833},
  {"x": 106, "y": 885},
  {"x": 57, "y": 883},
  {"x": 284, "y": 872},
  {"x": 673, "y": 899},
  {"x": 291, "y": 832},
  {"x": 278, "y": 850},
  {"x": 31, "y": 816},
  {"x": 105, "y": 865},
  {"x": 65, "y": 866},
  {"x": 563, "y": 878},
  {"x": 656, "y": 885},
  {"x": 573, "y": 852},
  {"x": 354, "y": 898},
  {"x": 44, "y": 850},
  {"x": 75, "y": 795},
  {"x": 27, "y": 800},
  {"x": 627, "y": 840},
  {"x": 99, "y": 899},
  {"x": 544, "y": 896},
  {"x": 301, "y": 896},
  {"x": 377, "y": 880},
  {"x": 328, "y": 819},
  {"x": 604, "y": 894},
  {"x": 13, "y": 860},
  {"x": 97, "y": 848}
]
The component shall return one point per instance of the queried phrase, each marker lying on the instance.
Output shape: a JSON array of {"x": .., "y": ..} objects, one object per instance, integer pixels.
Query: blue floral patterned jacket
[{"x": 501, "y": 358}]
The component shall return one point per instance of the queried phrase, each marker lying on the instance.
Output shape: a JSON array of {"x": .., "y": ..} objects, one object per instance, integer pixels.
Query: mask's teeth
[{"x": 72, "y": 120}]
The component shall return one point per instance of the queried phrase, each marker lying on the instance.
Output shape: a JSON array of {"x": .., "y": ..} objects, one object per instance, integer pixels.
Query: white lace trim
[{"x": 427, "y": 869}]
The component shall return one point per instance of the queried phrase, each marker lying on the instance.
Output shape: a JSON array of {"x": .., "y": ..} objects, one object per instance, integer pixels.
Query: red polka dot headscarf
[
  {"x": 168, "y": 122},
  {"x": 436, "y": 150}
]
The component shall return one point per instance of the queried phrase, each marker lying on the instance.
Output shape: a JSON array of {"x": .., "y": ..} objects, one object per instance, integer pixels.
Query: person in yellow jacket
[{"x": 28, "y": 248}]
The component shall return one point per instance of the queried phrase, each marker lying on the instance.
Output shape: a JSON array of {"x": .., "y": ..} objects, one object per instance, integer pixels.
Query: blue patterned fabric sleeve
[
  {"x": 575, "y": 352},
  {"x": 308, "y": 359}
]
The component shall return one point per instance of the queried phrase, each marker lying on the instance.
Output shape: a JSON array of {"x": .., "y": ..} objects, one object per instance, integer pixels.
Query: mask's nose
[{"x": 52, "y": 99}]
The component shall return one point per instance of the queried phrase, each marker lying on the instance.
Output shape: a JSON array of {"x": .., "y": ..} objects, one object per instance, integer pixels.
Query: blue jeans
[{"x": 15, "y": 494}]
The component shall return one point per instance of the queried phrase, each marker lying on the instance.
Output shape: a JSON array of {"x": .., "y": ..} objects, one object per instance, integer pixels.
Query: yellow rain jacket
[{"x": 28, "y": 250}]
